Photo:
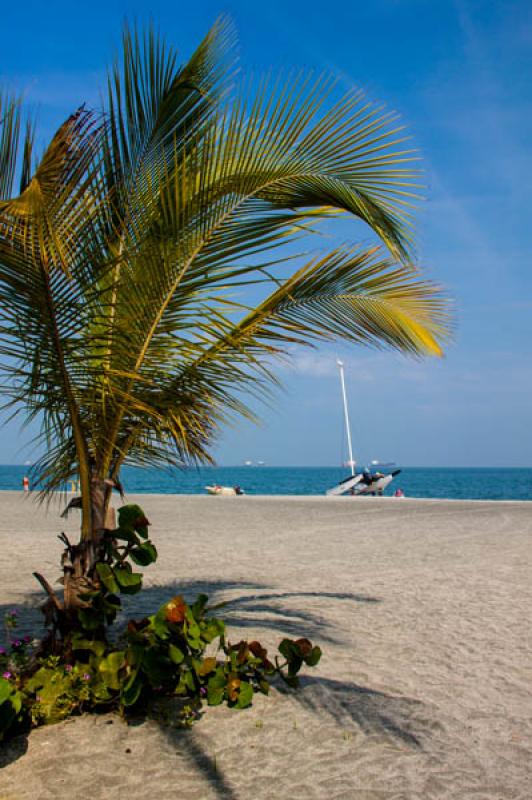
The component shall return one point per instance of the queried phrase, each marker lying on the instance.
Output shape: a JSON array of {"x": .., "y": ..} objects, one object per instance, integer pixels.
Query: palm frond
[
  {"x": 10, "y": 121},
  {"x": 154, "y": 105},
  {"x": 254, "y": 179}
]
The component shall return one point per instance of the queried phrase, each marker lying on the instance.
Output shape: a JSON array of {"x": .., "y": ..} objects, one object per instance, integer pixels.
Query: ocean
[{"x": 458, "y": 483}]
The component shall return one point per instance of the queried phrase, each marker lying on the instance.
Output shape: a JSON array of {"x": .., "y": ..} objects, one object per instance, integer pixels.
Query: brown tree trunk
[
  {"x": 89, "y": 551},
  {"x": 79, "y": 565}
]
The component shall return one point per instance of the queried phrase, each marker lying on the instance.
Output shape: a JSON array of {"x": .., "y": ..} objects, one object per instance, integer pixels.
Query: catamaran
[{"x": 371, "y": 480}]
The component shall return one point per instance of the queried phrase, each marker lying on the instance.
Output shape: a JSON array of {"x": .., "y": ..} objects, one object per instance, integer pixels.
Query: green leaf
[
  {"x": 99, "y": 691},
  {"x": 133, "y": 657},
  {"x": 126, "y": 535},
  {"x": 131, "y": 690},
  {"x": 219, "y": 679},
  {"x": 175, "y": 654},
  {"x": 105, "y": 573},
  {"x": 211, "y": 629},
  {"x": 95, "y": 646},
  {"x": 5, "y": 689},
  {"x": 111, "y": 606},
  {"x": 37, "y": 679},
  {"x": 157, "y": 666},
  {"x": 132, "y": 518},
  {"x": 216, "y": 686},
  {"x": 16, "y": 701},
  {"x": 109, "y": 668},
  {"x": 313, "y": 658},
  {"x": 198, "y": 607},
  {"x": 190, "y": 682},
  {"x": 289, "y": 649},
  {"x": 192, "y": 631},
  {"x": 128, "y": 514},
  {"x": 215, "y": 695},
  {"x": 181, "y": 687},
  {"x": 144, "y": 554},
  {"x": 245, "y": 695},
  {"x": 129, "y": 582},
  {"x": 159, "y": 624},
  {"x": 191, "y": 624},
  {"x": 53, "y": 687}
]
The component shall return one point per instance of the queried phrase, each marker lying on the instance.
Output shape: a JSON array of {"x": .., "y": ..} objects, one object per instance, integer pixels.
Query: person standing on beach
[{"x": 26, "y": 483}]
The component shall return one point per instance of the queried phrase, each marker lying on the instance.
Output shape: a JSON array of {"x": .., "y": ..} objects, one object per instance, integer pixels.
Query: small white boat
[
  {"x": 369, "y": 481},
  {"x": 227, "y": 491},
  {"x": 346, "y": 485}
]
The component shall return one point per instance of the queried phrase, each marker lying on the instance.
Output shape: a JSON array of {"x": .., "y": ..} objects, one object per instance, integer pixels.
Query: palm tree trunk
[
  {"x": 79, "y": 561},
  {"x": 102, "y": 519}
]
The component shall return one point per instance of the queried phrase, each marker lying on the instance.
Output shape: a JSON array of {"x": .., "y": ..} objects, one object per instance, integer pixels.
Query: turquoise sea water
[{"x": 450, "y": 482}]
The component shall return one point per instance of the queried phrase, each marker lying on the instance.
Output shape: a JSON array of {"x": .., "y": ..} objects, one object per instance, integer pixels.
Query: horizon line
[{"x": 310, "y": 466}]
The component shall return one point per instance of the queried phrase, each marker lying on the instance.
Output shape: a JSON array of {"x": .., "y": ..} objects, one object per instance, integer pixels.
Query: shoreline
[{"x": 280, "y": 497}]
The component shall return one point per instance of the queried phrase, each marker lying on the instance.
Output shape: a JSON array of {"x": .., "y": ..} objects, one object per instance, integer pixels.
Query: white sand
[{"x": 423, "y": 611}]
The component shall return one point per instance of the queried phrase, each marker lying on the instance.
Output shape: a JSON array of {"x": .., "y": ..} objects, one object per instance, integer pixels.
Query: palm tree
[{"x": 126, "y": 253}]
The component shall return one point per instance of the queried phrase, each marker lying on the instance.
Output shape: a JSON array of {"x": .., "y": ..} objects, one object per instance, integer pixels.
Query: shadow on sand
[
  {"x": 254, "y": 605},
  {"x": 247, "y": 605},
  {"x": 377, "y": 714}
]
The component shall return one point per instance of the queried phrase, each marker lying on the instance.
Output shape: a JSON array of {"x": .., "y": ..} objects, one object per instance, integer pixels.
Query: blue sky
[{"x": 459, "y": 75}]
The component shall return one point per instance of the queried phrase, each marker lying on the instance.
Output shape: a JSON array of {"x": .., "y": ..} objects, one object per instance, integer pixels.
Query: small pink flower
[
  {"x": 86, "y": 676},
  {"x": 7, "y": 674},
  {"x": 68, "y": 667}
]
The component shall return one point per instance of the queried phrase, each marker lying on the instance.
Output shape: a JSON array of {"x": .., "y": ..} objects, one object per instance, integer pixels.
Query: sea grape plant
[{"x": 180, "y": 651}]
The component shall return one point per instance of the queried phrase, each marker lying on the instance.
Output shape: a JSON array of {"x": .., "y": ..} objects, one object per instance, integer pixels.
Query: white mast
[{"x": 346, "y": 415}]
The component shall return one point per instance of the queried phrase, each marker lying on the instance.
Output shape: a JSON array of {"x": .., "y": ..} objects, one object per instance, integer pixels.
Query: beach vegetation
[
  {"x": 179, "y": 653},
  {"x": 129, "y": 251}
]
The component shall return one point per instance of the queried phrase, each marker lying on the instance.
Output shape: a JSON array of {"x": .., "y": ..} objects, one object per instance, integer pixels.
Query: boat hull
[
  {"x": 376, "y": 487},
  {"x": 226, "y": 491},
  {"x": 356, "y": 485},
  {"x": 344, "y": 487}
]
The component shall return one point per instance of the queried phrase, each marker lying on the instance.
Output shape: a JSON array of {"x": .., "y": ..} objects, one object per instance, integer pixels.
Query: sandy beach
[{"x": 423, "y": 611}]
